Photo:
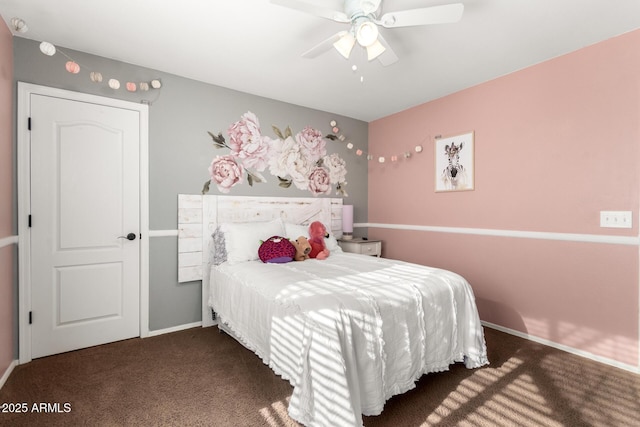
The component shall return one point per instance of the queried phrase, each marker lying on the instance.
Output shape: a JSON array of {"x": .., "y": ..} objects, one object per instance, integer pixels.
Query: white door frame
[{"x": 25, "y": 90}]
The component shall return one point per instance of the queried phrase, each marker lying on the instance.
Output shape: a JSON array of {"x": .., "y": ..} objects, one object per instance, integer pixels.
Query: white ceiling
[{"x": 255, "y": 46}]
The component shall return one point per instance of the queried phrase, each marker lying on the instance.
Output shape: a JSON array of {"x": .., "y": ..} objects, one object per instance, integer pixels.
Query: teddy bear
[
  {"x": 302, "y": 248},
  {"x": 317, "y": 233}
]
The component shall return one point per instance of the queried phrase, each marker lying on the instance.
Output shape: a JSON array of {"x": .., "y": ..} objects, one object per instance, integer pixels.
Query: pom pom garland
[
  {"x": 47, "y": 48},
  {"x": 114, "y": 84},
  {"x": 359, "y": 152},
  {"x": 72, "y": 67},
  {"x": 95, "y": 77}
]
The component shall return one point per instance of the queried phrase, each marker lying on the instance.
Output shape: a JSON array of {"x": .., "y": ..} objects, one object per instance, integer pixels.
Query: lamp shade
[
  {"x": 347, "y": 218},
  {"x": 345, "y": 43},
  {"x": 374, "y": 50}
]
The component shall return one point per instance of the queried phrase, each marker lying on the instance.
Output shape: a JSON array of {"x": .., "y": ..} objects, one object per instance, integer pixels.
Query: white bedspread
[{"x": 351, "y": 331}]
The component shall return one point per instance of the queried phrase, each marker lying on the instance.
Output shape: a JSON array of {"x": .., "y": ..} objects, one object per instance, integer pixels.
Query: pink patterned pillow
[{"x": 276, "y": 249}]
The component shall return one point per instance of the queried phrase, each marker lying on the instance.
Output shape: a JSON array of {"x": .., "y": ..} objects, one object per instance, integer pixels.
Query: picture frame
[{"x": 454, "y": 163}]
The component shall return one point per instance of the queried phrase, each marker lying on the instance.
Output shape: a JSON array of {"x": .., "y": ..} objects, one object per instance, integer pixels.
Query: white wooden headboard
[{"x": 198, "y": 217}]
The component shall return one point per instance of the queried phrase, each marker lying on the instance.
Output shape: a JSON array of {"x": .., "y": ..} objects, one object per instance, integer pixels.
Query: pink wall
[
  {"x": 555, "y": 144},
  {"x": 6, "y": 198}
]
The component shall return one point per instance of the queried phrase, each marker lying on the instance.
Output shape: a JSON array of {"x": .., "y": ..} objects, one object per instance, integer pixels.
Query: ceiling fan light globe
[
  {"x": 345, "y": 44},
  {"x": 375, "y": 50},
  {"x": 367, "y": 34}
]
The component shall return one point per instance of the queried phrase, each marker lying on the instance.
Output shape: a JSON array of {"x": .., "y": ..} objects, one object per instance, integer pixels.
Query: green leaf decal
[
  {"x": 285, "y": 183},
  {"x": 256, "y": 177},
  {"x": 277, "y": 131},
  {"x": 205, "y": 189},
  {"x": 218, "y": 140}
]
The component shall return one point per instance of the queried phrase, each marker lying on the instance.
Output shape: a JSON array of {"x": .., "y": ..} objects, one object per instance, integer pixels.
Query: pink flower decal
[
  {"x": 319, "y": 181},
  {"x": 225, "y": 172},
  {"x": 337, "y": 167},
  {"x": 312, "y": 143},
  {"x": 300, "y": 160},
  {"x": 289, "y": 160},
  {"x": 247, "y": 143}
]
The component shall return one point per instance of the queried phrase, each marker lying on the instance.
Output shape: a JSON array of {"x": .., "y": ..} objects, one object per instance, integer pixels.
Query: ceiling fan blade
[
  {"x": 323, "y": 46},
  {"x": 388, "y": 57},
  {"x": 322, "y": 12},
  {"x": 444, "y": 14}
]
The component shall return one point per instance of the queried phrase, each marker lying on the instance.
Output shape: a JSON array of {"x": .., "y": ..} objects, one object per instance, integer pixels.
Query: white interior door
[{"x": 85, "y": 273}]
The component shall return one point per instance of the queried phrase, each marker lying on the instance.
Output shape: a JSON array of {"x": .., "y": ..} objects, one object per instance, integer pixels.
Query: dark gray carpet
[{"x": 199, "y": 377}]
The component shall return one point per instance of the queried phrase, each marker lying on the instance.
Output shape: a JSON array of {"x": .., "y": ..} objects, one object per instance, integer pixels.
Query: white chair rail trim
[
  {"x": 163, "y": 233},
  {"x": 543, "y": 235},
  {"x": 10, "y": 240}
]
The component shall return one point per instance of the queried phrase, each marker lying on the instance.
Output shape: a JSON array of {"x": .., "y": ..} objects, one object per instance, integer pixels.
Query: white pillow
[
  {"x": 332, "y": 243},
  {"x": 293, "y": 231},
  {"x": 242, "y": 240}
]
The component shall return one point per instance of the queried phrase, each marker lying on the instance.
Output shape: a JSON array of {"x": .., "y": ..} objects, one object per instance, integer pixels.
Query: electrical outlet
[{"x": 616, "y": 219}]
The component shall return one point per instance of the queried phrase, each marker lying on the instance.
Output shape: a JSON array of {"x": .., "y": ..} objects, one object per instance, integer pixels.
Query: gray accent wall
[{"x": 180, "y": 151}]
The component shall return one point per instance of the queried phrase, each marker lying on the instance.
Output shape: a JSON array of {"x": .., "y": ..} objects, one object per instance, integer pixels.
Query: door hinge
[
  {"x": 30, "y": 317},
  {"x": 29, "y": 123},
  {"x": 29, "y": 223}
]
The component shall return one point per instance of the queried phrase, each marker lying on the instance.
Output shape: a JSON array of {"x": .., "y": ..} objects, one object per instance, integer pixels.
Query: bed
[{"x": 348, "y": 332}]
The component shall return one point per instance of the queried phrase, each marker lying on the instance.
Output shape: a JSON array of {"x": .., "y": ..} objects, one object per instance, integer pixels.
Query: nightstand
[{"x": 360, "y": 246}]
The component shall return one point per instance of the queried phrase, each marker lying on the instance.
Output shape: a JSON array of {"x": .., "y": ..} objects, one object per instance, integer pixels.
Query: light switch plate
[{"x": 616, "y": 219}]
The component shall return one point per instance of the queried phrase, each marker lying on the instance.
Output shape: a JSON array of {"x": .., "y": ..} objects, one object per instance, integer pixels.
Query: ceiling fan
[{"x": 362, "y": 15}]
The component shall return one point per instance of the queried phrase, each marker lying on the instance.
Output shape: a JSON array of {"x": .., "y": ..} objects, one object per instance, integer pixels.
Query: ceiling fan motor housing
[
  {"x": 362, "y": 16},
  {"x": 356, "y": 9}
]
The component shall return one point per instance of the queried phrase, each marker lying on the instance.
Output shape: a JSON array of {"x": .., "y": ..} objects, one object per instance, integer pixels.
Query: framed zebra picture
[{"x": 454, "y": 158}]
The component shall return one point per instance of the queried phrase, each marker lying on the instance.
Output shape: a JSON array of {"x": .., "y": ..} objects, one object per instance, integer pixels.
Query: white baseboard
[
  {"x": 6, "y": 374},
  {"x": 174, "y": 329},
  {"x": 581, "y": 353}
]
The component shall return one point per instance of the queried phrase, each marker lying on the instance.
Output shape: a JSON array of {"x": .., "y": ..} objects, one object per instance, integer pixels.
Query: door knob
[{"x": 130, "y": 236}]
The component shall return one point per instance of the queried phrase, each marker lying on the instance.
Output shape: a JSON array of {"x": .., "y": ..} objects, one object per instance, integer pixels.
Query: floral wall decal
[{"x": 299, "y": 159}]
